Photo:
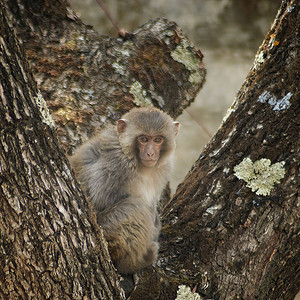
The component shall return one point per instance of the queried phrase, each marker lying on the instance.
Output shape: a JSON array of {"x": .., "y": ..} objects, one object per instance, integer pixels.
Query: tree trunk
[
  {"x": 88, "y": 79},
  {"x": 48, "y": 248},
  {"x": 228, "y": 231}
]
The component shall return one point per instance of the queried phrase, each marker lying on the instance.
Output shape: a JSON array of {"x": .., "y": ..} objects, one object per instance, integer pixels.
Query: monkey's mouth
[{"x": 149, "y": 163}]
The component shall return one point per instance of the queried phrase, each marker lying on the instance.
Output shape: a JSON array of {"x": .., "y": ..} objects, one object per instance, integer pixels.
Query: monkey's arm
[
  {"x": 131, "y": 234},
  {"x": 85, "y": 156}
]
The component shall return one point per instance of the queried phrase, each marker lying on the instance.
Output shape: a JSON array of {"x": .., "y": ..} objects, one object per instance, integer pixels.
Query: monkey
[{"x": 123, "y": 171}]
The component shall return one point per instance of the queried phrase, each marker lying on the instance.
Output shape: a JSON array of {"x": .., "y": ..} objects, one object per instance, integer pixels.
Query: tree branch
[{"x": 88, "y": 79}]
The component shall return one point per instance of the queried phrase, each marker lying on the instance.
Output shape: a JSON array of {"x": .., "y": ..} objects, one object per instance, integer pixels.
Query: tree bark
[
  {"x": 225, "y": 239},
  {"x": 50, "y": 245},
  {"x": 88, "y": 79},
  {"x": 66, "y": 55},
  {"x": 220, "y": 237}
]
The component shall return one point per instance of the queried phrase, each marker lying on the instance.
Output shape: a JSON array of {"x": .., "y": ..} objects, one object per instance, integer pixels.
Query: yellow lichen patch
[
  {"x": 65, "y": 115},
  {"x": 260, "y": 175},
  {"x": 70, "y": 45},
  {"x": 273, "y": 42}
]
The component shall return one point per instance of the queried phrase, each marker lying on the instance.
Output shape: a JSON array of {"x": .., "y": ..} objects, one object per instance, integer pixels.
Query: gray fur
[{"x": 124, "y": 193}]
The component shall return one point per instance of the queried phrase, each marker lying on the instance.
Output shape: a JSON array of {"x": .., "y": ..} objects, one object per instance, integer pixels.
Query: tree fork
[{"x": 219, "y": 236}]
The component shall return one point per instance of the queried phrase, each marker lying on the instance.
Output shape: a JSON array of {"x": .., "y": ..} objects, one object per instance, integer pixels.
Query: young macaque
[{"x": 123, "y": 171}]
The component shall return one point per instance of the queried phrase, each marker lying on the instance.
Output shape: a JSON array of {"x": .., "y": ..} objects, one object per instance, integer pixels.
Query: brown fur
[{"x": 123, "y": 191}]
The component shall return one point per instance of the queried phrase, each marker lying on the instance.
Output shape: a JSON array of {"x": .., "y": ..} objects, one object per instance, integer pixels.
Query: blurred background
[{"x": 228, "y": 32}]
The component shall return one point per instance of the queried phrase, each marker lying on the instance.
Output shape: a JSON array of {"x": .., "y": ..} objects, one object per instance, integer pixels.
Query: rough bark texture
[
  {"x": 88, "y": 79},
  {"x": 48, "y": 248},
  {"x": 220, "y": 236}
]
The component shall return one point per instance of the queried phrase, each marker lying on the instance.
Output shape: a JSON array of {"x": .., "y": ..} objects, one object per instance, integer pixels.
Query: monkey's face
[
  {"x": 147, "y": 136},
  {"x": 149, "y": 149}
]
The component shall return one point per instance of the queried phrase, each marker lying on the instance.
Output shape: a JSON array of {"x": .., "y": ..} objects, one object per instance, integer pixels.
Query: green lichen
[
  {"x": 259, "y": 59},
  {"x": 195, "y": 77},
  {"x": 42, "y": 106},
  {"x": 139, "y": 94},
  {"x": 260, "y": 175},
  {"x": 119, "y": 68},
  {"x": 124, "y": 50},
  {"x": 230, "y": 110},
  {"x": 185, "y": 293},
  {"x": 187, "y": 57}
]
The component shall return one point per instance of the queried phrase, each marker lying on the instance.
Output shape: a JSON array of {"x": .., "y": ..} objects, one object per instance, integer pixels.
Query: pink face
[{"x": 149, "y": 149}]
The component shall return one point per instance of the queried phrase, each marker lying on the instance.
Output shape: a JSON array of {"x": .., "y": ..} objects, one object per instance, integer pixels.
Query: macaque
[{"x": 123, "y": 171}]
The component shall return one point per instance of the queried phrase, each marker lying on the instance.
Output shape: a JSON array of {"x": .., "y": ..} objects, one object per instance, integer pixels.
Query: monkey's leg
[{"x": 129, "y": 229}]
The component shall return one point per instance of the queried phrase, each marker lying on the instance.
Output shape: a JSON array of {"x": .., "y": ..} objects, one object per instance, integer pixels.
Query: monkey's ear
[
  {"x": 176, "y": 127},
  {"x": 121, "y": 125}
]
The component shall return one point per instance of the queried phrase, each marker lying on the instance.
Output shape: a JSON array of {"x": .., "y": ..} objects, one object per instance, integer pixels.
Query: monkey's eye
[
  {"x": 143, "y": 139},
  {"x": 158, "y": 140}
]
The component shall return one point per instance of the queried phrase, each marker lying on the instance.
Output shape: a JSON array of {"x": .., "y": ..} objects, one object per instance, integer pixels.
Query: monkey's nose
[{"x": 150, "y": 154}]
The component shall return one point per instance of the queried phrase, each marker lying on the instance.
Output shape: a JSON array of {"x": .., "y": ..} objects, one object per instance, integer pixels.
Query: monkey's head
[{"x": 148, "y": 135}]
